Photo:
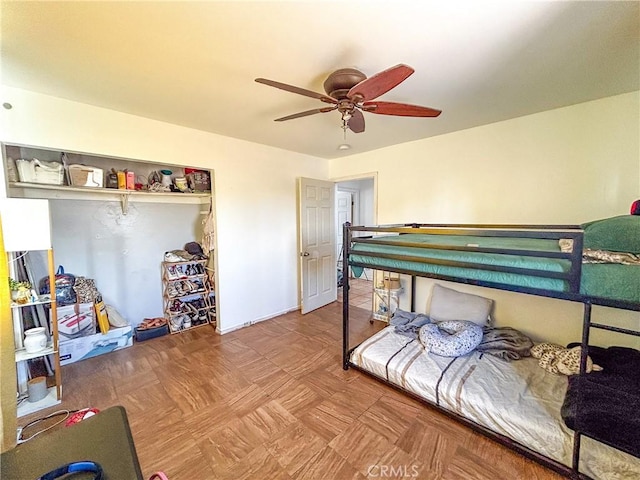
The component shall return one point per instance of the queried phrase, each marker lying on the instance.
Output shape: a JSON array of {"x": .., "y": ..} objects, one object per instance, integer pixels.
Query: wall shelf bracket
[{"x": 124, "y": 202}]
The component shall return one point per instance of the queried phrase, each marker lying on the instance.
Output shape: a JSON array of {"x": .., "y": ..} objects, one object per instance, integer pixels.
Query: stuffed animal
[{"x": 559, "y": 360}]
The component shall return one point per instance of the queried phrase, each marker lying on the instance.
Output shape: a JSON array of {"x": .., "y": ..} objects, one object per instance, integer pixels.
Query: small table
[{"x": 104, "y": 438}]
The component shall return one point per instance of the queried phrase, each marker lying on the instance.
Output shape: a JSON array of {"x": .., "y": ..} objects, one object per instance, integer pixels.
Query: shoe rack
[{"x": 188, "y": 295}]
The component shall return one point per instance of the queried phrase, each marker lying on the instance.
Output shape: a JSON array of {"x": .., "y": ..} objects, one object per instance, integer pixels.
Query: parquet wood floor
[{"x": 272, "y": 402}]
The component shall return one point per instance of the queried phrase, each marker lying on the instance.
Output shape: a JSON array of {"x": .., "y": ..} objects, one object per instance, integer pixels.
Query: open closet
[{"x": 116, "y": 237}]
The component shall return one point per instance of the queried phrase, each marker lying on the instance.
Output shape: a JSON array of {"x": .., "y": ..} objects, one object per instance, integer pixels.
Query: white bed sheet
[{"x": 517, "y": 399}]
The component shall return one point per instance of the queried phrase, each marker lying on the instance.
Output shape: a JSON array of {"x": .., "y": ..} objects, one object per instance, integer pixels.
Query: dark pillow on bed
[
  {"x": 617, "y": 234},
  {"x": 616, "y": 360}
]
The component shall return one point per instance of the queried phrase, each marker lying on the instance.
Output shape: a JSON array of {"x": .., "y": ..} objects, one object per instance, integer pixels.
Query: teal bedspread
[
  {"x": 519, "y": 261},
  {"x": 619, "y": 282},
  {"x": 611, "y": 281}
]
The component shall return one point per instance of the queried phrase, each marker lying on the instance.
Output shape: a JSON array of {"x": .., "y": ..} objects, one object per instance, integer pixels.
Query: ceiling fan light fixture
[
  {"x": 344, "y": 146},
  {"x": 351, "y": 93}
]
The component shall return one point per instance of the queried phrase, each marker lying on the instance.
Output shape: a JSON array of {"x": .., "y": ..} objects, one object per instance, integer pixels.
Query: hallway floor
[{"x": 359, "y": 294}]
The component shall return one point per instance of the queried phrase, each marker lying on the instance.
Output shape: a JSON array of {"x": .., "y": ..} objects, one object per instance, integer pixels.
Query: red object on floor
[
  {"x": 158, "y": 476},
  {"x": 81, "y": 415}
]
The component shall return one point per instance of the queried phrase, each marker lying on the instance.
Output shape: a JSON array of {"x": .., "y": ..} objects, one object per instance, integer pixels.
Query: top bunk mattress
[
  {"x": 434, "y": 261},
  {"x": 517, "y": 399},
  {"x": 608, "y": 281}
]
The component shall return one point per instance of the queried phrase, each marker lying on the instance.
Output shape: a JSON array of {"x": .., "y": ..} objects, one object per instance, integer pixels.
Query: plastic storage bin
[
  {"x": 149, "y": 333},
  {"x": 39, "y": 171}
]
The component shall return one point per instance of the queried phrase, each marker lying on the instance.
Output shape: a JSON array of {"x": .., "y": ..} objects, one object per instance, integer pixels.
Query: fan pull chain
[{"x": 345, "y": 125}]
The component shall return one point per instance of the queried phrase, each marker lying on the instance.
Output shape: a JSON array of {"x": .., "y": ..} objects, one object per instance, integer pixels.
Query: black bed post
[
  {"x": 584, "y": 352},
  {"x": 346, "y": 246},
  {"x": 413, "y": 293}
]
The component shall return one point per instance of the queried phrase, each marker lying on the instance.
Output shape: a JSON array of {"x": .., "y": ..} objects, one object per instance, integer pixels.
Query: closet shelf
[
  {"x": 52, "y": 399},
  {"x": 22, "y": 354},
  {"x": 63, "y": 192},
  {"x": 43, "y": 300},
  {"x": 390, "y": 291}
]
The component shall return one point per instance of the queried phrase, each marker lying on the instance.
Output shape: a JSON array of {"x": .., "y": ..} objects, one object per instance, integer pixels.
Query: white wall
[
  {"x": 569, "y": 165},
  {"x": 255, "y": 190},
  {"x": 122, "y": 253}
]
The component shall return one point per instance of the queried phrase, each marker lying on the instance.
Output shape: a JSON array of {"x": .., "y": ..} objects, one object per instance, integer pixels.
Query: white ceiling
[{"x": 194, "y": 63}]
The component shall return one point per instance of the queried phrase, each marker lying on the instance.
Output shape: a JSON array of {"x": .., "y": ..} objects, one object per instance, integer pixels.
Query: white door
[
  {"x": 344, "y": 205},
  {"x": 317, "y": 243}
]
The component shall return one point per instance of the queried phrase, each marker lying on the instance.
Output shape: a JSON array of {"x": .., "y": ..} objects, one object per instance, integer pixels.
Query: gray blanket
[
  {"x": 408, "y": 323},
  {"x": 505, "y": 342}
]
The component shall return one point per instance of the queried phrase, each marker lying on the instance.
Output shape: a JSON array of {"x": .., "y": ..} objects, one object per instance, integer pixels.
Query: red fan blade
[
  {"x": 380, "y": 83},
  {"x": 400, "y": 109},
  {"x": 305, "y": 114},
  {"x": 298, "y": 90},
  {"x": 356, "y": 122}
]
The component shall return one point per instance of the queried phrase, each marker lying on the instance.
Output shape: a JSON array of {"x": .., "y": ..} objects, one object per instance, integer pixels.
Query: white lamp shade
[{"x": 26, "y": 224}]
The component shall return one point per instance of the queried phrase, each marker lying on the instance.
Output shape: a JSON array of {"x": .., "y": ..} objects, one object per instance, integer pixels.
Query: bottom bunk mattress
[{"x": 517, "y": 399}]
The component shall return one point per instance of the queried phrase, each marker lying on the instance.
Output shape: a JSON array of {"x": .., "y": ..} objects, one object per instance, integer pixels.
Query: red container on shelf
[{"x": 131, "y": 181}]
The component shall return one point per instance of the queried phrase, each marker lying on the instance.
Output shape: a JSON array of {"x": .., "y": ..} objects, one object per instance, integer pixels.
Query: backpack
[{"x": 65, "y": 294}]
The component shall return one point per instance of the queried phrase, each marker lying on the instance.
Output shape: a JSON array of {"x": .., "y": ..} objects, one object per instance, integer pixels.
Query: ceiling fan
[{"x": 351, "y": 93}]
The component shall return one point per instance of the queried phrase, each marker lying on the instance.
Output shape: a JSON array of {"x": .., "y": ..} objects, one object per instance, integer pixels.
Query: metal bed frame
[{"x": 572, "y": 277}]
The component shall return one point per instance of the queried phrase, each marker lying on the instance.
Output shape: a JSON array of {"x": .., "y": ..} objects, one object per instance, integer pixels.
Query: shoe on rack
[
  {"x": 182, "y": 271},
  {"x": 172, "y": 291},
  {"x": 191, "y": 309},
  {"x": 177, "y": 322},
  {"x": 173, "y": 275},
  {"x": 172, "y": 257},
  {"x": 177, "y": 306}
]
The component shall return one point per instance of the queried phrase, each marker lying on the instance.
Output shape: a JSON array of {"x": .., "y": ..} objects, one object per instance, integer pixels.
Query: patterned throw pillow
[{"x": 556, "y": 359}]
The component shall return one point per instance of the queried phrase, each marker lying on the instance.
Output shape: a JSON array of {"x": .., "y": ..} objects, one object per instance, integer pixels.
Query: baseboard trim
[{"x": 257, "y": 320}]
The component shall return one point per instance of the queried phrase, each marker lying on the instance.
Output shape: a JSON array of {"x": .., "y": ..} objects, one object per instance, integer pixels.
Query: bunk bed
[{"x": 515, "y": 403}]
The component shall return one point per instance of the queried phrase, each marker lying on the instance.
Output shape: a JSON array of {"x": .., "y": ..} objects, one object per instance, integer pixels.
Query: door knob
[{"x": 305, "y": 254}]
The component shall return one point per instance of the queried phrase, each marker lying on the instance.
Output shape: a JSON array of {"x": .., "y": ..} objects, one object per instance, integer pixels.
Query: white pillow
[{"x": 448, "y": 304}]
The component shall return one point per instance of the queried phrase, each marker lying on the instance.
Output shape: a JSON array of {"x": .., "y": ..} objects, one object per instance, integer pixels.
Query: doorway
[
  {"x": 356, "y": 203},
  {"x": 323, "y": 208}
]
